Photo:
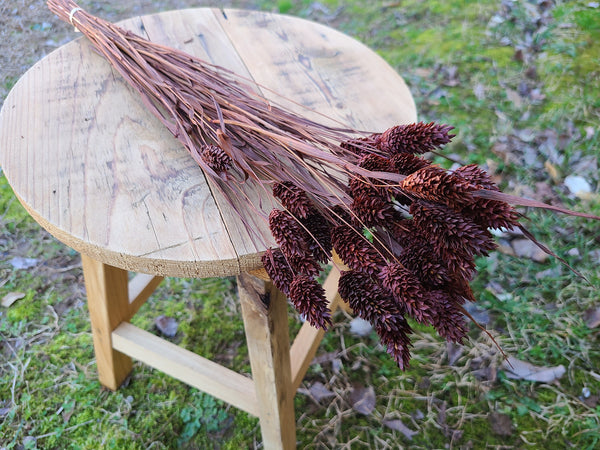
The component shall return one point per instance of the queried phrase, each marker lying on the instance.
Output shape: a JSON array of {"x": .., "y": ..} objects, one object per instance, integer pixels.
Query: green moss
[
  {"x": 22, "y": 310},
  {"x": 11, "y": 211}
]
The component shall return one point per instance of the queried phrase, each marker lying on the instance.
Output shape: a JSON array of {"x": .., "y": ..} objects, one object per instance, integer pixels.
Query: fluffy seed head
[
  {"x": 288, "y": 233},
  {"x": 394, "y": 335},
  {"x": 365, "y": 297}
]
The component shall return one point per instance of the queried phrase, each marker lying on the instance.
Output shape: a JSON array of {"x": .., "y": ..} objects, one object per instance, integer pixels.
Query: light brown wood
[
  {"x": 264, "y": 310},
  {"x": 306, "y": 343},
  {"x": 108, "y": 303},
  {"x": 100, "y": 173},
  {"x": 186, "y": 366},
  {"x": 320, "y": 68},
  {"x": 140, "y": 288}
]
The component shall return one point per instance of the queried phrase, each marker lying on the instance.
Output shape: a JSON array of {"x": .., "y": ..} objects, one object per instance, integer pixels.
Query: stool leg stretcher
[{"x": 277, "y": 368}]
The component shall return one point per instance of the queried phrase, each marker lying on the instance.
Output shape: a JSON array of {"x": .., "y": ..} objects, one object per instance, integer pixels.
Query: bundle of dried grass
[{"x": 425, "y": 224}]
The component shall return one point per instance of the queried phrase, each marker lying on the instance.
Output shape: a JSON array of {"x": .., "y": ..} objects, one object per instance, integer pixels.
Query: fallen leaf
[
  {"x": 417, "y": 415},
  {"x": 518, "y": 55},
  {"x": 592, "y": 317},
  {"x": 589, "y": 133},
  {"x": 336, "y": 365},
  {"x": 514, "y": 97},
  {"x": 66, "y": 414},
  {"x": 479, "y": 91},
  {"x": 577, "y": 185},
  {"x": 524, "y": 248},
  {"x": 591, "y": 401},
  {"x": 18, "y": 262},
  {"x": 488, "y": 373},
  {"x": 454, "y": 352},
  {"x": 531, "y": 73},
  {"x": 325, "y": 357},
  {"x": 397, "y": 425},
  {"x": 481, "y": 315},
  {"x": 521, "y": 370},
  {"x": 442, "y": 415},
  {"x": 501, "y": 424},
  {"x": 423, "y": 72},
  {"x": 10, "y": 298},
  {"x": 319, "y": 391},
  {"x": 505, "y": 249},
  {"x": 363, "y": 399},
  {"x": 166, "y": 325},
  {"x": 552, "y": 171},
  {"x": 553, "y": 272}
]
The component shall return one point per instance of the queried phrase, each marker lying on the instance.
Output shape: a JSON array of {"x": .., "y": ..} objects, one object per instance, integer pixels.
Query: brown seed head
[
  {"x": 293, "y": 198},
  {"x": 308, "y": 297},
  {"x": 414, "y": 138},
  {"x": 354, "y": 249},
  {"x": 215, "y": 158},
  {"x": 406, "y": 289},
  {"x": 278, "y": 269}
]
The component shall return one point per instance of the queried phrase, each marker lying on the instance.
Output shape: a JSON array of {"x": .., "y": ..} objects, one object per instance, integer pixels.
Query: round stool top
[{"x": 105, "y": 177}]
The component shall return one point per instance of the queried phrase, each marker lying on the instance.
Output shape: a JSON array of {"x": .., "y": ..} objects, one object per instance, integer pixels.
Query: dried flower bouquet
[{"x": 407, "y": 230}]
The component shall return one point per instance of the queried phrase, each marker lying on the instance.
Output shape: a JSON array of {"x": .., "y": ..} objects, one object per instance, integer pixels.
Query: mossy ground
[{"x": 524, "y": 75}]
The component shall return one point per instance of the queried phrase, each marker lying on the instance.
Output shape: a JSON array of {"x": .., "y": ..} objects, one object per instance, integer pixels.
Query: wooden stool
[{"x": 95, "y": 169}]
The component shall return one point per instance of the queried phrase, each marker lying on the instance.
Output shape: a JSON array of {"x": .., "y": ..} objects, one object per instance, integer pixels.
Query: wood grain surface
[{"x": 100, "y": 173}]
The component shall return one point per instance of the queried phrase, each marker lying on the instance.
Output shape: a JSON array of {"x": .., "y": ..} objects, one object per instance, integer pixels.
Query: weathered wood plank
[
  {"x": 264, "y": 310},
  {"x": 108, "y": 304},
  {"x": 186, "y": 366}
]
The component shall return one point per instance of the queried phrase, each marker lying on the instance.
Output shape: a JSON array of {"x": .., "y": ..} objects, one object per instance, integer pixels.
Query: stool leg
[
  {"x": 264, "y": 310},
  {"x": 108, "y": 303}
]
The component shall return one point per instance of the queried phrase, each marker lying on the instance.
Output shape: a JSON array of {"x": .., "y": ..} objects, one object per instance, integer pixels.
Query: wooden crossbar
[
  {"x": 140, "y": 288},
  {"x": 186, "y": 366}
]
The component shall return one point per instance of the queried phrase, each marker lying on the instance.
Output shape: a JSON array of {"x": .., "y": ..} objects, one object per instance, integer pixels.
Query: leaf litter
[{"x": 522, "y": 370}]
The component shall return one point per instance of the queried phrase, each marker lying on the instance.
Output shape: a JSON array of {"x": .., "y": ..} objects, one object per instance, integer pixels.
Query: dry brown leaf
[
  {"x": 396, "y": 424},
  {"x": 454, "y": 351},
  {"x": 592, "y": 317},
  {"x": 552, "y": 171},
  {"x": 501, "y": 424},
  {"x": 524, "y": 248},
  {"x": 10, "y": 298},
  {"x": 363, "y": 399},
  {"x": 479, "y": 91},
  {"x": 591, "y": 401},
  {"x": 521, "y": 370},
  {"x": 166, "y": 325},
  {"x": 318, "y": 391},
  {"x": 514, "y": 97}
]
